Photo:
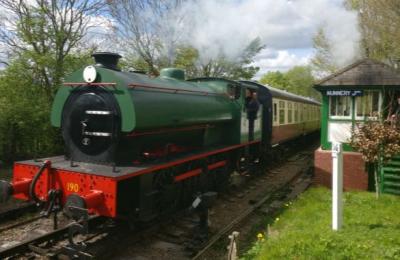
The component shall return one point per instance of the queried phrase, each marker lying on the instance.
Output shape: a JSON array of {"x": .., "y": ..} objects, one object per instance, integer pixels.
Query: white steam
[{"x": 226, "y": 27}]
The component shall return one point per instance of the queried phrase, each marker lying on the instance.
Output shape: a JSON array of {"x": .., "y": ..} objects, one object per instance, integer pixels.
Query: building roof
[{"x": 363, "y": 73}]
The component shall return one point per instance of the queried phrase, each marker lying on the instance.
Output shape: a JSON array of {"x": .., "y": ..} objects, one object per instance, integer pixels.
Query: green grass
[{"x": 371, "y": 229}]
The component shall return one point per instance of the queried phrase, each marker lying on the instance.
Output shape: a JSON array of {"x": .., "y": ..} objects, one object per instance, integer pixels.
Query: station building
[{"x": 365, "y": 90}]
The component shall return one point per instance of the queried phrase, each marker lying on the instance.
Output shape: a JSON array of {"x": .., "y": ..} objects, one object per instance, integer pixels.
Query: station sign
[{"x": 346, "y": 93}]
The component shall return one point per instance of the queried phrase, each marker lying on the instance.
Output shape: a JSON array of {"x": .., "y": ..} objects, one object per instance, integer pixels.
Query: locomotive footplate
[{"x": 98, "y": 185}]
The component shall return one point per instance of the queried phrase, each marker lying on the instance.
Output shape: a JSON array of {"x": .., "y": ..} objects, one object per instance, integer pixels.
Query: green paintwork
[
  {"x": 240, "y": 115},
  {"x": 389, "y": 180},
  {"x": 145, "y": 108},
  {"x": 121, "y": 93},
  {"x": 172, "y": 73},
  {"x": 325, "y": 144}
]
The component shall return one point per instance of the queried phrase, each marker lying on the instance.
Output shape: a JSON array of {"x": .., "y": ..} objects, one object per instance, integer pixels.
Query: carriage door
[{"x": 251, "y": 116}]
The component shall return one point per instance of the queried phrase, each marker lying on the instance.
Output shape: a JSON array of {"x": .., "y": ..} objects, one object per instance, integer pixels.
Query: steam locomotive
[{"x": 138, "y": 146}]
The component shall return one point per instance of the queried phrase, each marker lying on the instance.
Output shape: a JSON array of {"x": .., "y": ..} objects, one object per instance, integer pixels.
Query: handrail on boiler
[{"x": 175, "y": 90}]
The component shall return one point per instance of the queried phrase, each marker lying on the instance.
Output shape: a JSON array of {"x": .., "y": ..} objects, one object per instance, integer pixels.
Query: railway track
[
  {"x": 12, "y": 211},
  {"x": 280, "y": 191},
  {"x": 178, "y": 237},
  {"x": 50, "y": 244}
]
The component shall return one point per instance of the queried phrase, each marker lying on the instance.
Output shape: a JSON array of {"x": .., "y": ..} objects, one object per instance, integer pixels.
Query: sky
[{"x": 285, "y": 27}]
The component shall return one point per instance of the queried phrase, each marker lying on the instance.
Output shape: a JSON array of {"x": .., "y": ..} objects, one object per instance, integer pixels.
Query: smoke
[{"x": 225, "y": 27}]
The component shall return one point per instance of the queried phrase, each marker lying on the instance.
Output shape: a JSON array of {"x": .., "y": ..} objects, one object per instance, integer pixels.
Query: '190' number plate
[{"x": 74, "y": 187}]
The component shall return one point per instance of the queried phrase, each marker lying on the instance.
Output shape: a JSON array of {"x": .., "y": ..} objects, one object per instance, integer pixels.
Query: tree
[
  {"x": 275, "y": 79},
  {"x": 24, "y": 114},
  {"x": 186, "y": 59},
  {"x": 323, "y": 61},
  {"x": 379, "y": 25},
  {"x": 25, "y": 130},
  {"x": 239, "y": 68},
  {"x": 377, "y": 142},
  {"x": 301, "y": 81},
  {"x": 45, "y": 32},
  {"x": 298, "y": 80},
  {"x": 141, "y": 26},
  {"x": 145, "y": 31}
]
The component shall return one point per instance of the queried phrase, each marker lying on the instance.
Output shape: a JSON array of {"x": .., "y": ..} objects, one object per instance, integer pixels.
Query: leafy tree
[
  {"x": 43, "y": 37},
  {"x": 378, "y": 142},
  {"x": 24, "y": 114},
  {"x": 186, "y": 59},
  {"x": 45, "y": 32},
  {"x": 25, "y": 129},
  {"x": 301, "y": 81},
  {"x": 140, "y": 25},
  {"x": 239, "y": 68},
  {"x": 152, "y": 45},
  {"x": 298, "y": 80},
  {"x": 379, "y": 24},
  {"x": 323, "y": 61},
  {"x": 275, "y": 79}
]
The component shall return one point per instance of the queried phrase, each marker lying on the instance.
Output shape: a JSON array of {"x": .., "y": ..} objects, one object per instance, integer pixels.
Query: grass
[{"x": 371, "y": 229}]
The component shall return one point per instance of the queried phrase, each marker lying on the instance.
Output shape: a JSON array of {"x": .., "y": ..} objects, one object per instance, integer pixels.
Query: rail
[{"x": 30, "y": 244}]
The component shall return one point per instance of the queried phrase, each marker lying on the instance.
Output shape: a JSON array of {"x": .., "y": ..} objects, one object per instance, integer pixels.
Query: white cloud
[
  {"x": 282, "y": 60},
  {"x": 226, "y": 27}
]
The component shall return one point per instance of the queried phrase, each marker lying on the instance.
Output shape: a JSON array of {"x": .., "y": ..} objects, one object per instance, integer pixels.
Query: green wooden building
[{"x": 359, "y": 92}]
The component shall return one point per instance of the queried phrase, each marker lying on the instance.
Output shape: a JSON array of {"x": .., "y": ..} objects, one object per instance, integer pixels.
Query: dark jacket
[{"x": 252, "y": 108}]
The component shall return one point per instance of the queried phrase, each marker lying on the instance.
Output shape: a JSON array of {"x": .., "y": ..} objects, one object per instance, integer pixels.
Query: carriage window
[
  {"x": 296, "y": 112},
  {"x": 281, "y": 112},
  {"x": 305, "y": 113},
  {"x": 275, "y": 113},
  {"x": 290, "y": 112},
  {"x": 314, "y": 113},
  {"x": 340, "y": 107},
  {"x": 311, "y": 113},
  {"x": 301, "y": 112},
  {"x": 367, "y": 106}
]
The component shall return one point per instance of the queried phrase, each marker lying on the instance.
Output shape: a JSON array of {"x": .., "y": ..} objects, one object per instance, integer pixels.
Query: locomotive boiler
[{"x": 110, "y": 116}]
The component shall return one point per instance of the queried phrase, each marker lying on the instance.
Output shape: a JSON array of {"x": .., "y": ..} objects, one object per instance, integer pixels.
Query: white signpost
[{"x": 337, "y": 186}]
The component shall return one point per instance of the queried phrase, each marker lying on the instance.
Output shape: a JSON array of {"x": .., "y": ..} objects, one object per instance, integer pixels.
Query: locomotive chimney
[{"x": 107, "y": 60}]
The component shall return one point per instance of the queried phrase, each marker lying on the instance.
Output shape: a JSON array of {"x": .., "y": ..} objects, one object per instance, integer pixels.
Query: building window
[
  {"x": 290, "y": 112},
  {"x": 296, "y": 112},
  {"x": 281, "y": 112},
  {"x": 340, "y": 107},
  {"x": 368, "y": 105}
]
